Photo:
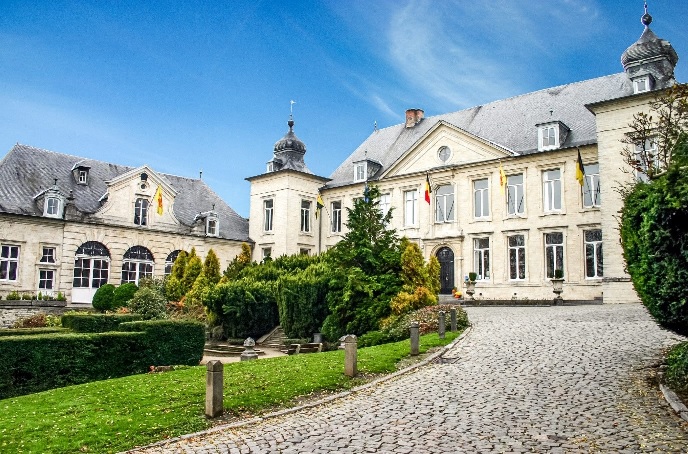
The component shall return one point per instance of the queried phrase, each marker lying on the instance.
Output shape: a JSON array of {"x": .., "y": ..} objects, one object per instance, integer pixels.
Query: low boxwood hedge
[
  {"x": 96, "y": 323},
  {"x": 33, "y": 363},
  {"x": 31, "y": 331}
]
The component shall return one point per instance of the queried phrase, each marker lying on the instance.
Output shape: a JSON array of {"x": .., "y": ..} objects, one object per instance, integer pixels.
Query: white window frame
[
  {"x": 515, "y": 206},
  {"x": 591, "y": 185},
  {"x": 548, "y": 137},
  {"x": 46, "y": 257},
  {"x": 212, "y": 226},
  {"x": 448, "y": 154},
  {"x": 481, "y": 199},
  {"x": 7, "y": 260},
  {"x": 411, "y": 208},
  {"x": 444, "y": 204},
  {"x": 306, "y": 216},
  {"x": 52, "y": 207},
  {"x": 83, "y": 177},
  {"x": 385, "y": 203},
  {"x": 268, "y": 214},
  {"x": 336, "y": 208},
  {"x": 641, "y": 84},
  {"x": 549, "y": 186},
  {"x": 596, "y": 247},
  {"x": 554, "y": 247},
  {"x": 516, "y": 251},
  {"x": 141, "y": 211},
  {"x": 360, "y": 171},
  {"x": 481, "y": 258},
  {"x": 44, "y": 280}
]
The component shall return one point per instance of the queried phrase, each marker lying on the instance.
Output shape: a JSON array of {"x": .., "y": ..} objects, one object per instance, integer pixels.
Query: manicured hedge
[
  {"x": 171, "y": 342},
  {"x": 31, "y": 331},
  {"x": 96, "y": 323},
  {"x": 302, "y": 301},
  {"x": 36, "y": 363},
  {"x": 677, "y": 367}
]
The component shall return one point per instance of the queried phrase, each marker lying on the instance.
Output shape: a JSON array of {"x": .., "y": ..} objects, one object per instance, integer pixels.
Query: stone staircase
[
  {"x": 223, "y": 349},
  {"x": 273, "y": 339}
]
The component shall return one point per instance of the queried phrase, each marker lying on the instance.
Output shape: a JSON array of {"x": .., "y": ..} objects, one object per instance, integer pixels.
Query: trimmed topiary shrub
[
  {"x": 171, "y": 342},
  {"x": 302, "y": 301},
  {"x": 96, "y": 323},
  {"x": 149, "y": 303},
  {"x": 104, "y": 298},
  {"x": 123, "y": 294}
]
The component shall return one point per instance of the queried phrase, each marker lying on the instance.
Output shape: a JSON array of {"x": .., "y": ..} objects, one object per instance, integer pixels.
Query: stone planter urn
[
  {"x": 558, "y": 288},
  {"x": 470, "y": 289}
]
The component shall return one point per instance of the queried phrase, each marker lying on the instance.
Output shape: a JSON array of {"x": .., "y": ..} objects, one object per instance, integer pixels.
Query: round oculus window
[{"x": 444, "y": 154}]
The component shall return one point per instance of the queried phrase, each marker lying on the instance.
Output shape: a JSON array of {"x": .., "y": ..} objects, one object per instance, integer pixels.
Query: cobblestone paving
[{"x": 559, "y": 379}]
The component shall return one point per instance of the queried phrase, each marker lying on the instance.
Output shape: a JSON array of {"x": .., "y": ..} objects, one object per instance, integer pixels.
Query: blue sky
[{"x": 190, "y": 86}]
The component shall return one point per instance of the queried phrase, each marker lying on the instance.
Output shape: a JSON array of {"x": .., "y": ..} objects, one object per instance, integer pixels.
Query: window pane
[
  {"x": 522, "y": 263},
  {"x": 476, "y": 202},
  {"x": 557, "y": 195}
]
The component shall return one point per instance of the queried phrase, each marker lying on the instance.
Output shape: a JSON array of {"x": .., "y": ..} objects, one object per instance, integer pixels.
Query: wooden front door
[{"x": 446, "y": 258}]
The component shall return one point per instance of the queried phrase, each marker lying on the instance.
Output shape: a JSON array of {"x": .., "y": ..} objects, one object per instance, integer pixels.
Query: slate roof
[
  {"x": 26, "y": 171},
  {"x": 508, "y": 123}
]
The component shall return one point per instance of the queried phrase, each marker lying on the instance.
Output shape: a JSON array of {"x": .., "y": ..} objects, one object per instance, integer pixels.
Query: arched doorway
[
  {"x": 91, "y": 269},
  {"x": 446, "y": 258},
  {"x": 138, "y": 263}
]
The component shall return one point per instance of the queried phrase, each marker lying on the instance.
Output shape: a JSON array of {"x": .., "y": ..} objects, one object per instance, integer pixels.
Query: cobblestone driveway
[{"x": 559, "y": 379}]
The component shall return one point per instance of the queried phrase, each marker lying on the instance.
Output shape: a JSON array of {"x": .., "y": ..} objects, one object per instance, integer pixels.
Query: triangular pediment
[
  {"x": 446, "y": 145},
  {"x": 151, "y": 176}
]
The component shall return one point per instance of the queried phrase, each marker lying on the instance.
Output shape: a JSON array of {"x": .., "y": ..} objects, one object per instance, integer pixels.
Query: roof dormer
[
  {"x": 366, "y": 169},
  {"x": 53, "y": 202},
  {"x": 80, "y": 173},
  {"x": 551, "y": 135}
]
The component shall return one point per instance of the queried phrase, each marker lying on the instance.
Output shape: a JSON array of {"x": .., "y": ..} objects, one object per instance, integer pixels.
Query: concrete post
[
  {"x": 350, "y": 355},
  {"x": 249, "y": 354},
  {"x": 415, "y": 339},
  {"x": 442, "y": 327},
  {"x": 213, "y": 389},
  {"x": 452, "y": 313},
  {"x": 317, "y": 338}
]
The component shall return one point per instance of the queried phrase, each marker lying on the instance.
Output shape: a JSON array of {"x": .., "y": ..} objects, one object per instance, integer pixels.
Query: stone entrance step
[{"x": 224, "y": 349}]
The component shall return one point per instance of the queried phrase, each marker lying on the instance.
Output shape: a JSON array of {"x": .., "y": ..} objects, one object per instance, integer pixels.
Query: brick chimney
[{"x": 413, "y": 117}]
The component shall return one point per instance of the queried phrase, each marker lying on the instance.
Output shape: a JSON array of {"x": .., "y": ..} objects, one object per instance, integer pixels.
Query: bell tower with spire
[{"x": 284, "y": 200}]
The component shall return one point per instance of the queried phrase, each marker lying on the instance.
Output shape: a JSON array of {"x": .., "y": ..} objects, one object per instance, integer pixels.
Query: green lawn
[{"x": 115, "y": 415}]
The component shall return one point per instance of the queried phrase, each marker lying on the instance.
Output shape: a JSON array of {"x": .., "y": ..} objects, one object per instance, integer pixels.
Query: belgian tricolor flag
[
  {"x": 428, "y": 189},
  {"x": 580, "y": 170}
]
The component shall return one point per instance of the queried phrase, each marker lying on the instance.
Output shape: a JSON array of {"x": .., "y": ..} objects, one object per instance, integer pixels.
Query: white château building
[{"x": 514, "y": 236}]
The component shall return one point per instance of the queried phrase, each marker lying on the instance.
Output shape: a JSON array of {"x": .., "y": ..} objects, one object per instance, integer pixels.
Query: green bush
[
  {"x": 246, "y": 308},
  {"x": 171, "y": 342},
  {"x": 96, "y": 323},
  {"x": 677, "y": 367},
  {"x": 104, "y": 298},
  {"x": 655, "y": 242},
  {"x": 31, "y": 331},
  {"x": 13, "y": 296},
  {"x": 149, "y": 303},
  {"x": 123, "y": 294},
  {"x": 373, "y": 338},
  {"x": 302, "y": 301}
]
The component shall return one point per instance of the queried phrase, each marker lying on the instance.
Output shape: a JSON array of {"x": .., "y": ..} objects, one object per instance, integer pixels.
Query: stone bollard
[
  {"x": 249, "y": 354},
  {"x": 317, "y": 338},
  {"x": 213, "y": 389},
  {"x": 453, "y": 319},
  {"x": 350, "y": 355},
  {"x": 415, "y": 338},
  {"x": 441, "y": 323}
]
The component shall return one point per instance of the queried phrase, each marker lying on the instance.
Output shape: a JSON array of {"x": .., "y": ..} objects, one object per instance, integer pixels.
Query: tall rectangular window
[
  {"x": 517, "y": 257},
  {"x": 9, "y": 262},
  {"x": 385, "y": 203},
  {"x": 410, "y": 207},
  {"x": 647, "y": 157},
  {"x": 305, "y": 216},
  {"x": 267, "y": 215},
  {"x": 336, "y": 216},
  {"x": 593, "y": 253},
  {"x": 591, "y": 186},
  {"x": 515, "y": 196},
  {"x": 359, "y": 171},
  {"x": 444, "y": 203},
  {"x": 481, "y": 198},
  {"x": 551, "y": 190},
  {"x": 554, "y": 253},
  {"x": 481, "y": 257},
  {"x": 141, "y": 212},
  {"x": 549, "y": 138},
  {"x": 46, "y": 279},
  {"x": 48, "y": 255},
  {"x": 52, "y": 207}
]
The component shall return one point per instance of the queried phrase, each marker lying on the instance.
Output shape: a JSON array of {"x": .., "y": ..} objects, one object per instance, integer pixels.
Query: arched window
[
  {"x": 169, "y": 261},
  {"x": 138, "y": 263},
  {"x": 91, "y": 270}
]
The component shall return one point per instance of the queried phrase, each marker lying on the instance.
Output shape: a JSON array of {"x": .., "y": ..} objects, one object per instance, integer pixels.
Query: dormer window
[
  {"x": 80, "y": 173},
  {"x": 271, "y": 167},
  {"x": 53, "y": 207},
  {"x": 211, "y": 226},
  {"x": 642, "y": 84},
  {"x": 83, "y": 176},
  {"x": 359, "y": 171},
  {"x": 551, "y": 135}
]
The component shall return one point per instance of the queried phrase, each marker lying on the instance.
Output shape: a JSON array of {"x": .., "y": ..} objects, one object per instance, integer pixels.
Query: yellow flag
[
  {"x": 158, "y": 199},
  {"x": 580, "y": 170},
  {"x": 502, "y": 178}
]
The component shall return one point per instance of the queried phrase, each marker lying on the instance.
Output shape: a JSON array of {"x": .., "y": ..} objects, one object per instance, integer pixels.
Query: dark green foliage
[
  {"x": 246, "y": 308},
  {"x": 104, "y": 298},
  {"x": 366, "y": 272},
  {"x": 31, "y": 331},
  {"x": 35, "y": 363},
  {"x": 193, "y": 269},
  {"x": 211, "y": 267},
  {"x": 96, "y": 323},
  {"x": 171, "y": 342},
  {"x": 677, "y": 367},
  {"x": 174, "y": 288},
  {"x": 149, "y": 302},
  {"x": 302, "y": 300},
  {"x": 239, "y": 262},
  {"x": 296, "y": 262},
  {"x": 655, "y": 242},
  {"x": 123, "y": 294}
]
